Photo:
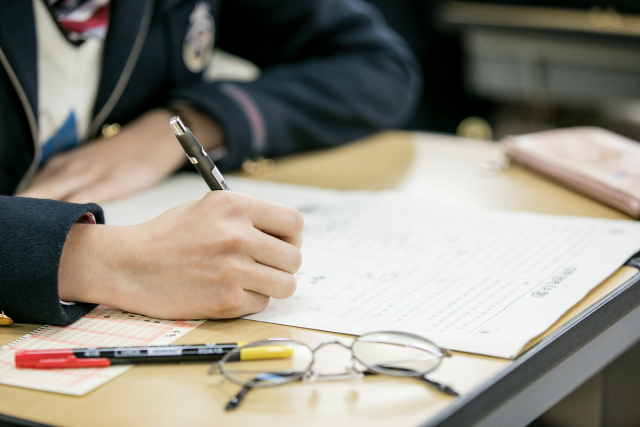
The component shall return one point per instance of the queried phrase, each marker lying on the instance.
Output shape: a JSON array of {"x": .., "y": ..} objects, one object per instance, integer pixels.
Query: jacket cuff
[
  {"x": 239, "y": 116},
  {"x": 33, "y": 234}
]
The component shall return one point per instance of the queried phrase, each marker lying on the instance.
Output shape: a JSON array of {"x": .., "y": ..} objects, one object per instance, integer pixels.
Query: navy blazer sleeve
[
  {"x": 32, "y": 234},
  {"x": 331, "y": 72}
]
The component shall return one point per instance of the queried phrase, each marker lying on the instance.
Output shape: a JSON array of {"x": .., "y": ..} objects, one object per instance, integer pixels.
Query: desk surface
[{"x": 440, "y": 167}]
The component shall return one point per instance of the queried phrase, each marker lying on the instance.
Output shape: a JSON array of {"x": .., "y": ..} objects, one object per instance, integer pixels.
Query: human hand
[
  {"x": 144, "y": 153},
  {"x": 219, "y": 256}
]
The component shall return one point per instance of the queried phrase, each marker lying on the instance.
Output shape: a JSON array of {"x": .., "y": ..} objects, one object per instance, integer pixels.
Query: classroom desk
[{"x": 494, "y": 392}]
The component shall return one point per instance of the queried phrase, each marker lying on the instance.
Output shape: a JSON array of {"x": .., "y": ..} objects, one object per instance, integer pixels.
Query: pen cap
[
  {"x": 29, "y": 358},
  {"x": 266, "y": 352}
]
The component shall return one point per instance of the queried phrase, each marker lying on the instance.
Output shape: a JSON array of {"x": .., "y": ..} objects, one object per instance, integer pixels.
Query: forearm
[
  {"x": 144, "y": 153},
  {"x": 331, "y": 72},
  {"x": 331, "y": 101}
]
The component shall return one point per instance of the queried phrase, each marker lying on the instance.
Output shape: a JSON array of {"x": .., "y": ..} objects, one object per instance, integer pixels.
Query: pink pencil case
[{"x": 594, "y": 161}]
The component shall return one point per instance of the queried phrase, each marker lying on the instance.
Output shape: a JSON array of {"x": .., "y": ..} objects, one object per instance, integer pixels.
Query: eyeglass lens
[
  {"x": 267, "y": 363},
  {"x": 400, "y": 355}
]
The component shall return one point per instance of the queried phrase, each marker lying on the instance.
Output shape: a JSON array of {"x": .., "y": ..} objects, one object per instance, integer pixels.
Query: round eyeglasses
[{"x": 276, "y": 362}]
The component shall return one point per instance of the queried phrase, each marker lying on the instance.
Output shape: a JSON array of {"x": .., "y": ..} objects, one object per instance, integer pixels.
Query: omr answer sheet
[{"x": 477, "y": 281}]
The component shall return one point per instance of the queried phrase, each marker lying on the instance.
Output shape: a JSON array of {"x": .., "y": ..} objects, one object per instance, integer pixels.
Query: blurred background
[
  {"x": 523, "y": 66},
  {"x": 499, "y": 67}
]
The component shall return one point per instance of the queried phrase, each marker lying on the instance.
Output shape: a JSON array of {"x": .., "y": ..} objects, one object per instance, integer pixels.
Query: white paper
[{"x": 478, "y": 281}]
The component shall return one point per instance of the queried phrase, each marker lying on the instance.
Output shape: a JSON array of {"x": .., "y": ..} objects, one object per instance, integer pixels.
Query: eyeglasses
[{"x": 277, "y": 362}]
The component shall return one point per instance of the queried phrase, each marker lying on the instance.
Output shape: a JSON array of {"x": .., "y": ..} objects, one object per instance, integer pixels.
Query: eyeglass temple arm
[
  {"x": 238, "y": 398},
  {"x": 438, "y": 386},
  {"x": 441, "y": 387}
]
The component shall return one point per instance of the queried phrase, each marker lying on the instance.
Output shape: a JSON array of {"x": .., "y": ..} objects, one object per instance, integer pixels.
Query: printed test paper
[{"x": 477, "y": 281}]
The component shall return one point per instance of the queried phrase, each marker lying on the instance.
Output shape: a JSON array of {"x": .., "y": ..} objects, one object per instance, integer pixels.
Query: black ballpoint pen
[
  {"x": 97, "y": 357},
  {"x": 197, "y": 156},
  {"x": 108, "y": 356}
]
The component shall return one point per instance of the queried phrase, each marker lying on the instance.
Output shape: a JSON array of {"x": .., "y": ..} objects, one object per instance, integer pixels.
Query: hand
[
  {"x": 219, "y": 256},
  {"x": 144, "y": 153}
]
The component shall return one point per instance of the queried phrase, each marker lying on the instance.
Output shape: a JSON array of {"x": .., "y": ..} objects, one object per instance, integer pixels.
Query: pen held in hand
[{"x": 197, "y": 156}]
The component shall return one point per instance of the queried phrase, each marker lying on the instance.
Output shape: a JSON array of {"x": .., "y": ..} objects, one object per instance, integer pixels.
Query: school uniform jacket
[{"x": 331, "y": 72}]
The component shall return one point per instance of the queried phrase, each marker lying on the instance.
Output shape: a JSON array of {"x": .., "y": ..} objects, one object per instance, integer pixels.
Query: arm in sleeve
[
  {"x": 32, "y": 235},
  {"x": 331, "y": 72}
]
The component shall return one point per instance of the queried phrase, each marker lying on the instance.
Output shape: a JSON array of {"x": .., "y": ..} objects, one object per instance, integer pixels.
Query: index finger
[{"x": 277, "y": 220}]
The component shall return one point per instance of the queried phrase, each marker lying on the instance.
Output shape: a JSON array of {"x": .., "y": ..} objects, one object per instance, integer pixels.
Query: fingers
[
  {"x": 52, "y": 167},
  {"x": 261, "y": 239},
  {"x": 281, "y": 221},
  {"x": 97, "y": 192},
  {"x": 110, "y": 186},
  {"x": 269, "y": 251},
  {"x": 63, "y": 175},
  {"x": 245, "y": 303},
  {"x": 62, "y": 185},
  {"x": 143, "y": 153},
  {"x": 272, "y": 218},
  {"x": 254, "y": 303},
  {"x": 268, "y": 281}
]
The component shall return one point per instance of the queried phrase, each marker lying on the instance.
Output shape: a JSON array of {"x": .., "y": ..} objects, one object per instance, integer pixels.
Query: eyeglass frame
[{"x": 310, "y": 376}]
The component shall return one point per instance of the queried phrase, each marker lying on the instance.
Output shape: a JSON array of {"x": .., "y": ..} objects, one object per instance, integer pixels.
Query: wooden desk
[{"x": 440, "y": 167}]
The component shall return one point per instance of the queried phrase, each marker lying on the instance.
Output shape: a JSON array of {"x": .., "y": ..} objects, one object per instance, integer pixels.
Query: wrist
[{"x": 92, "y": 259}]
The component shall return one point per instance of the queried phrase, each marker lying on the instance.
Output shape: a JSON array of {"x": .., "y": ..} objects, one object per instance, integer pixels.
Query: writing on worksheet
[{"x": 553, "y": 283}]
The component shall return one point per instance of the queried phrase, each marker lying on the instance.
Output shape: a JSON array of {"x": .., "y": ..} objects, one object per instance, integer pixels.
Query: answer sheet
[
  {"x": 484, "y": 282},
  {"x": 102, "y": 327}
]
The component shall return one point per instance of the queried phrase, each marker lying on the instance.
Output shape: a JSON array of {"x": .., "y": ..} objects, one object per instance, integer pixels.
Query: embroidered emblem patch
[{"x": 198, "y": 44}]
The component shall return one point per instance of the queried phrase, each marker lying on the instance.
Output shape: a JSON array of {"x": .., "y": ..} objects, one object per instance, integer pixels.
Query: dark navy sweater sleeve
[
  {"x": 32, "y": 235},
  {"x": 331, "y": 72}
]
